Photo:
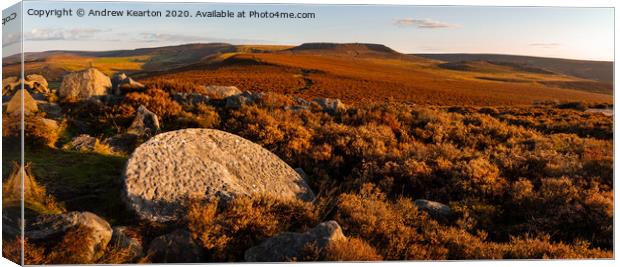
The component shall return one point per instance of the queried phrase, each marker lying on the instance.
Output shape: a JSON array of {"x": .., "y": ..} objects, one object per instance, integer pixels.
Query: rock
[
  {"x": 247, "y": 97},
  {"x": 37, "y": 83},
  {"x": 331, "y": 105},
  {"x": 176, "y": 247},
  {"x": 187, "y": 99},
  {"x": 14, "y": 106},
  {"x": 50, "y": 125},
  {"x": 121, "y": 82},
  {"x": 435, "y": 209},
  {"x": 127, "y": 238},
  {"x": 289, "y": 246},
  {"x": 83, "y": 143},
  {"x": 145, "y": 124},
  {"x": 50, "y": 227},
  {"x": 221, "y": 92},
  {"x": 83, "y": 85},
  {"x": 172, "y": 167},
  {"x": 9, "y": 85},
  {"x": 121, "y": 143}
]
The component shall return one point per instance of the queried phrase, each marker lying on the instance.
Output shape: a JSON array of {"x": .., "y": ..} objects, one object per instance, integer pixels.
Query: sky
[{"x": 577, "y": 33}]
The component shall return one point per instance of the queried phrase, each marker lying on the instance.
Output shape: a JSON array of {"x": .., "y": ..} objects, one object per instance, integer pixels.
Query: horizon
[
  {"x": 293, "y": 45},
  {"x": 552, "y": 32}
]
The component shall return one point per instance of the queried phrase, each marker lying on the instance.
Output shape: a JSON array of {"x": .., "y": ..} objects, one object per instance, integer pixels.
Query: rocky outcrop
[
  {"x": 33, "y": 82},
  {"x": 176, "y": 247},
  {"x": 221, "y": 92},
  {"x": 435, "y": 209},
  {"x": 37, "y": 83},
  {"x": 123, "y": 83},
  {"x": 14, "y": 106},
  {"x": 174, "y": 166},
  {"x": 83, "y": 85},
  {"x": 54, "y": 226},
  {"x": 145, "y": 124},
  {"x": 127, "y": 239},
  {"x": 289, "y": 246},
  {"x": 331, "y": 105},
  {"x": 245, "y": 98}
]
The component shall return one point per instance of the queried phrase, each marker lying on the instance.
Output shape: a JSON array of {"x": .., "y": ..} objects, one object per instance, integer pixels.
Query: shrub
[
  {"x": 156, "y": 100},
  {"x": 229, "y": 230}
]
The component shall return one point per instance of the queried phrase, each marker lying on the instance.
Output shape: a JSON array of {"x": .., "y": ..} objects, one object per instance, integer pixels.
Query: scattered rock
[
  {"x": 289, "y": 246},
  {"x": 247, "y": 97},
  {"x": 54, "y": 226},
  {"x": 188, "y": 99},
  {"x": 14, "y": 106},
  {"x": 145, "y": 124},
  {"x": 83, "y": 85},
  {"x": 331, "y": 105},
  {"x": 221, "y": 92},
  {"x": 174, "y": 166},
  {"x": 176, "y": 247},
  {"x": 9, "y": 84},
  {"x": 435, "y": 209},
  {"x": 121, "y": 82},
  {"x": 83, "y": 143},
  {"x": 127, "y": 238},
  {"x": 37, "y": 83}
]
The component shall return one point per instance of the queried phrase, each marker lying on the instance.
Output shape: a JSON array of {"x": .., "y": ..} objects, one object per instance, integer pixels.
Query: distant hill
[
  {"x": 353, "y": 72},
  {"x": 601, "y": 71}
]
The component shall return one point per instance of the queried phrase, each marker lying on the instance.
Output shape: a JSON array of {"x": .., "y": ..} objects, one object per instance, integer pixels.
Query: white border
[{"x": 574, "y": 3}]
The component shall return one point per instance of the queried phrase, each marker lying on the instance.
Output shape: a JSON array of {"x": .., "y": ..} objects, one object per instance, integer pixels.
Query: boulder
[
  {"x": 247, "y": 97},
  {"x": 175, "y": 247},
  {"x": 37, "y": 83},
  {"x": 145, "y": 124},
  {"x": 331, "y": 105},
  {"x": 14, "y": 106},
  {"x": 435, "y": 209},
  {"x": 221, "y": 92},
  {"x": 121, "y": 82},
  {"x": 83, "y": 85},
  {"x": 127, "y": 239},
  {"x": 175, "y": 166},
  {"x": 188, "y": 99},
  {"x": 52, "y": 227},
  {"x": 83, "y": 143},
  {"x": 289, "y": 246}
]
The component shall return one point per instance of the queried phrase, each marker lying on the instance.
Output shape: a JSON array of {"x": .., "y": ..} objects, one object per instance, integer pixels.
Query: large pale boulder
[
  {"x": 173, "y": 167},
  {"x": 83, "y": 85},
  {"x": 52, "y": 228},
  {"x": 289, "y": 246}
]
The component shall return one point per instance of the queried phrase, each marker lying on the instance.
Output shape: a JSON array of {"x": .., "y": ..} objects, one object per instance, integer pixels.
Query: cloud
[
  {"x": 424, "y": 23},
  {"x": 545, "y": 45},
  {"x": 56, "y": 34}
]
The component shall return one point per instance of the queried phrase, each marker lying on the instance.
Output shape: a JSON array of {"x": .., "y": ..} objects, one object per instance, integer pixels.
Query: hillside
[
  {"x": 353, "y": 72},
  {"x": 601, "y": 71},
  {"x": 370, "y": 73}
]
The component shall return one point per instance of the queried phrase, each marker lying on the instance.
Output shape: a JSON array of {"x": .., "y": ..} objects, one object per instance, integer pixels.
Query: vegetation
[{"x": 531, "y": 181}]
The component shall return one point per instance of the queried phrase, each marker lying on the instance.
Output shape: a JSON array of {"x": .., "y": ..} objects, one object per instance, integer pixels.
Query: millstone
[{"x": 175, "y": 166}]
